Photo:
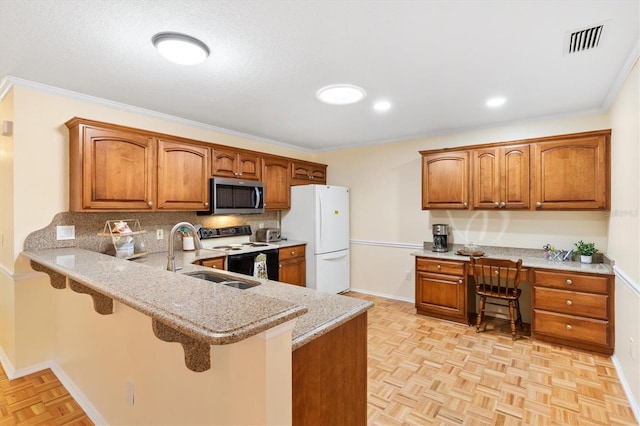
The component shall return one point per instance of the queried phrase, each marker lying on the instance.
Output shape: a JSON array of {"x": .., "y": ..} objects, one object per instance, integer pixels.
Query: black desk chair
[{"x": 498, "y": 281}]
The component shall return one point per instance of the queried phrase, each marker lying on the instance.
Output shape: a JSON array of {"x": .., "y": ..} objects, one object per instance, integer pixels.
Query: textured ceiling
[{"x": 437, "y": 62}]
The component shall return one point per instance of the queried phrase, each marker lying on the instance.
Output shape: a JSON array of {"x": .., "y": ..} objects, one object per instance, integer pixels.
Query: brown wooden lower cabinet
[
  {"x": 573, "y": 309},
  {"x": 293, "y": 265},
  {"x": 330, "y": 377},
  {"x": 215, "y": 263}
]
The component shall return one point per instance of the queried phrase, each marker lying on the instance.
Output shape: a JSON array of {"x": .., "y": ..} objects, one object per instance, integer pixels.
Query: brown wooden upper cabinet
[
  {"x": 276, "y": 179},
  {"x": 304, "y": 173},
  {"x": 567, "y": 172},
  {"x": 183, "y": 176},
  {"x": 445, "y": 180},
  {"x": 235, "y": 164},
  {"x": 500, "y": 178},
  {"x": 119, "y": 168},
  {"x": 572, "y": 173}
]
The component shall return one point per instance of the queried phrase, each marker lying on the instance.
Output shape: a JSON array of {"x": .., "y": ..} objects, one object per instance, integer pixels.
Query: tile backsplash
[{"x": 88, "y": 225}]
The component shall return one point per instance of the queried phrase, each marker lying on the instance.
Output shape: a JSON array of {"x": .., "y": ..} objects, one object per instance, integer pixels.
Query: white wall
[
  {"x": 624, "y": 228},
  {"x": 385, "y": 183}
]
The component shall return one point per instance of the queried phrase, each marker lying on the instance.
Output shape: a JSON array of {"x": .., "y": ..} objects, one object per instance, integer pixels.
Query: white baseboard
[
  {"x": 627, "y": 389},
  {"x": 77, "y": 394},
  {"x": 386, "y": 296},
  {"x": 73, "y": 390}
]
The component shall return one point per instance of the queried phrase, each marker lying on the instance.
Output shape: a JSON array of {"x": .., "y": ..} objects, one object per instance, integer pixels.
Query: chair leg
[
  {"x": 519, "y": 318},
  {"x": 480, "y": 312},
  {"x": 512, "y": 315}
]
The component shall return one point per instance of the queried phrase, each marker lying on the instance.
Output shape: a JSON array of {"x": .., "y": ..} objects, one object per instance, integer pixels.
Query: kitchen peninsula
[{"x": 268, "y": 344}]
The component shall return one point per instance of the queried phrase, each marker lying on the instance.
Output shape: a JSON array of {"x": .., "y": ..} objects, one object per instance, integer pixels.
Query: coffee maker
[{"x": 440, "y": 237}]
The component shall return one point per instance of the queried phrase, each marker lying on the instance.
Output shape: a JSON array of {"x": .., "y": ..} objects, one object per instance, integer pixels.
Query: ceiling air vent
[{"x": 584, "y": 39}]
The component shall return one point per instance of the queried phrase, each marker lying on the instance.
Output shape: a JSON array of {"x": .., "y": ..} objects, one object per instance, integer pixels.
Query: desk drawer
[
  {"x": 570, "y": 328},
  {"x": 573, "y": 282},
  {"x": 571, "y": 302},
  {"x": 439, "y": 266}
]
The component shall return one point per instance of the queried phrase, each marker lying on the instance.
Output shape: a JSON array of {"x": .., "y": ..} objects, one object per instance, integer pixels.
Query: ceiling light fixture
[
  {"x": 382, "y": 106},
  {"x": 341, "y": 94},
  {"x": 496, "y": 102},
  {"x": 180, "y": 48}
]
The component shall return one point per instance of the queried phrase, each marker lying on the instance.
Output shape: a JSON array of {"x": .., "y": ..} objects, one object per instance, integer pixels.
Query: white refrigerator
[{"x": 319, "y": 216}]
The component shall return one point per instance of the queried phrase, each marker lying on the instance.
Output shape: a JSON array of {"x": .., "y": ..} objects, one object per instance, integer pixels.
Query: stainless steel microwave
[{"x": 235, "y": 196}]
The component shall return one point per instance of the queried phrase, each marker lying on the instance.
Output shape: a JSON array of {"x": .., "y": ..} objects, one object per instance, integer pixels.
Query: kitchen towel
[{"x": 260, "y": 266}]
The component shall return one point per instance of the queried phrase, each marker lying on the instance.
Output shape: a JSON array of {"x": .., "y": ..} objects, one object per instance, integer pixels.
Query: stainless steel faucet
[{"x": 171, "y": 259}]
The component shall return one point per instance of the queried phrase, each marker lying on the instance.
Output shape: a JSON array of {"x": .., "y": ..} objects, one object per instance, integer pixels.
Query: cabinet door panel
[
  {"x": 572, "y": 174},
  {"x": 223, "y": 163},
  {"x": 249, "y": 166},
  {"x": 572, "y": 303},
  {"x": 515, "y": 186},
  {"x": 445, "y": 180},
  {"x": 183, "y": 176},
  {"x": 118, "y": 170},
  {"x": 486, "y": 179},
  {"x": 277, "y": 186}
]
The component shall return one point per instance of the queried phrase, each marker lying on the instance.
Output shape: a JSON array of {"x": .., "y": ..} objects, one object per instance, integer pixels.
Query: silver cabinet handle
[
  {"x": 569, "y": 302},
  {"x": 150, "y": 203},
  {"x": 292, "y": 252},
  {"x": 538, "y": 204},
  {"x": 502, "y": 205},
  {"x": 569, "y": 327},
  {"x": 438, "y": 266},
  {"x": 460, "y": 281},
  {"x": 465, "y": 205},
  {"x": 496, "y": 204},
  {"x": 206, "y": 204},
  {"x": 569, "y": 282}
]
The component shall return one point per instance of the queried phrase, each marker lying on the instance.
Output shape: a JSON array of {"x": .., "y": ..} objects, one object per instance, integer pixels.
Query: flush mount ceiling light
[
  {"x": 382, "y": 106},
  {"x": 180, "y": 48},
  {"x": 496, "y": 102},
  {"x": 341, "y": 94}
]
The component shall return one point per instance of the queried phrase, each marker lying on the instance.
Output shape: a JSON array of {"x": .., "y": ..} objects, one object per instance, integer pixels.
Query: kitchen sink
[{"x": 223, "y": 279}]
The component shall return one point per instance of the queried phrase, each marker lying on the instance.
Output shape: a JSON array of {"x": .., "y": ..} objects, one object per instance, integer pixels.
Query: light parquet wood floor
[
  {"x": 38, "y": 399},
  {"x": 423, "y": 371}
]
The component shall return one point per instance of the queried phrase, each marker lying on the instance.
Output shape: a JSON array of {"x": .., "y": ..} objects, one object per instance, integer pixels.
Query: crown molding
[{"x": 8, "y": 82}]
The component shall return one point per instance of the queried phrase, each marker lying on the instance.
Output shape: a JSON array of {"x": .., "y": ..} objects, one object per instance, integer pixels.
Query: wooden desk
[{"x": 568, "y": 308}]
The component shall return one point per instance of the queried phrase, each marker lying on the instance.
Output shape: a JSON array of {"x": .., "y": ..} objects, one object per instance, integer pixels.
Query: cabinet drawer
[
  {"x": 573, "y": 282},
  {"x": 215, "y": 263},
  {"x": 439, "y": 266},
  {"x": 291, "y": 252},
  {"x": 570, "y": 328},
  {"x": 571, "y": 302}
]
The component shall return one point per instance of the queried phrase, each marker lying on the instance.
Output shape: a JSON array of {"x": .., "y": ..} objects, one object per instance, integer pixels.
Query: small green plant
[{"x": 585, "y": 249}]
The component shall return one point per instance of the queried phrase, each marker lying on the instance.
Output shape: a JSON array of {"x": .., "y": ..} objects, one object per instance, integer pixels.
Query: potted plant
[{"x": 586, "y": 251}]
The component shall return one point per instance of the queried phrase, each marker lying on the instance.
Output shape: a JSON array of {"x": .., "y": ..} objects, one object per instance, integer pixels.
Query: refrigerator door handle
[{"x": 336, "y": 256}]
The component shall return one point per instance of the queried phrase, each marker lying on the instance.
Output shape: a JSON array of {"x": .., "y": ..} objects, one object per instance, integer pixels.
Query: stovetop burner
[{"x": 234, "y": 240}]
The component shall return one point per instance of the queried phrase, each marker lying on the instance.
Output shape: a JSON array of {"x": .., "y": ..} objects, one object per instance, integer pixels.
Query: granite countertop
[
  {"x": 210, "y": 312},
  {"x": 531, "y": 258}
]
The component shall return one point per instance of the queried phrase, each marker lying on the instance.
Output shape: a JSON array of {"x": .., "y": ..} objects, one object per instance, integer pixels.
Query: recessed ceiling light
[
  {"x": 496, "y": 102},
  {"x": 341, "y": 94},
  {"x": 180, "y": 48},
  {"x": 382, "y": 106}
]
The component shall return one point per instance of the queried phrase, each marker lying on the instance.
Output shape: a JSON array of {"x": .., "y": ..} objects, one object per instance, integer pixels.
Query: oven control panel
[{"x": 229, "y": 231}]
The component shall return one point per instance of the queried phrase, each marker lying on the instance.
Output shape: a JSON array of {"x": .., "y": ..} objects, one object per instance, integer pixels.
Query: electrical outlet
[
  {"x": 407, "y": 276},
  {"x": 261, "y": 225},
  {"x": 159, "y": 234},
  {"x": 65, "y": 232},
  {"x": 130, "y": 392}
]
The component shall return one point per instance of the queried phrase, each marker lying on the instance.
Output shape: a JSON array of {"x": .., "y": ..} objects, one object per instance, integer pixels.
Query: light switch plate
[{"x": 67, "y": 232}]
